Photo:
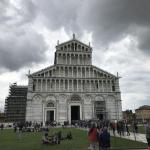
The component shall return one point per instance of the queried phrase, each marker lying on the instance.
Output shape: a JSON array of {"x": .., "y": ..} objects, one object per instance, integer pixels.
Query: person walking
[
  {"x": 127, "y": 129},
  {"x": 105, "y": 139},
  {"x": 99, "y": 132},
  {"x": 148, "y": 134},
  {"x": 92, "y": 137}
]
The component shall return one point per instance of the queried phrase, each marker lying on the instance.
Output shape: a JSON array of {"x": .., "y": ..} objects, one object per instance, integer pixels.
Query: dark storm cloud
[
  {"x": 108, "y": 20},
  {"x": 17, "y": 51},
  {"x": 20, "y": 45}
]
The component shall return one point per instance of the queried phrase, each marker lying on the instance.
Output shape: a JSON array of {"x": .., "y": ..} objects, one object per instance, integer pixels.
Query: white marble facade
[{"x": 73, "y": 88}]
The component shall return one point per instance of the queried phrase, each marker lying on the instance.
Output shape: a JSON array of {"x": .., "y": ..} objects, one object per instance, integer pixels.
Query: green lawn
[
  {"x": 32, "y": 141},
  {"x": 141, "y": 129}
]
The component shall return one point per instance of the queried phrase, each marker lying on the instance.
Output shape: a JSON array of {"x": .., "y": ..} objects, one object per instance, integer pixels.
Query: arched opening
[
  {"x": 100, "y": 110},
  {"x": 50, "y": 112},
  {"x": 75, "y": 107}
]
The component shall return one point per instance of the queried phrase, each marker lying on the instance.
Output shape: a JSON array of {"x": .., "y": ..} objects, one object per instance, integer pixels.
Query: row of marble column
[
  {"x": 72, "y": 59},
  {"x": 77, "y": 71},
  {"x": 73, "y": 47},
  {"x": 57, "y": 85}
]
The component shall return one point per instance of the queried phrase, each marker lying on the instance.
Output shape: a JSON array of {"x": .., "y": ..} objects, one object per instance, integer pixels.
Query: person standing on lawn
[
  {"x": 105, "y": 139},
  {"x": 92, "y": 136},
  {"x": 148, "y": 134},
  {"x": 99, "y": 132}
]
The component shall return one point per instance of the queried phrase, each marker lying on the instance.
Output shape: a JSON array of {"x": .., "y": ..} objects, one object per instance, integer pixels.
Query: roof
[
  {"x": 144, "y": 107},
  {"x": 35, "y": 74},
  {"x": 75, "y": 40}
]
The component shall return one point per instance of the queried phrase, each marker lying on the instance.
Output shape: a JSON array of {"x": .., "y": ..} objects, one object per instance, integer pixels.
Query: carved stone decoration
[
  {"x": 50, "y": 104},
  {"x": 75, "y": 97},
  {"x": 50, "y": 98},
  {"x": 62, "y": 98},
  {"x": 99, "y": 98},
  {"x": 87, "y": 99},
  {"x": 37, "y": 99}
]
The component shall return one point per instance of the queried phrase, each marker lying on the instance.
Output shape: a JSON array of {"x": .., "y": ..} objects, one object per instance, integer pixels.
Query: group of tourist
[
  {"x": 56, "y": 137},
  {"x": 99, "y": 137},
  {"x": 98, "y": 130}
]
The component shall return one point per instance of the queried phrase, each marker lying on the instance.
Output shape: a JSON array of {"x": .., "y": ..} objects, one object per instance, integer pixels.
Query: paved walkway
[{"x": 136, "y": 137}]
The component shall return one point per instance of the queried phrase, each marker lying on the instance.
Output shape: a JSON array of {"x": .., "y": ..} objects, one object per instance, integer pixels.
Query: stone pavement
[{"x": 136, "y": 137}]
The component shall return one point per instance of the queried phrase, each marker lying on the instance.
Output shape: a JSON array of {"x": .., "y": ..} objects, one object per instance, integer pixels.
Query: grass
[
  {"x": 32, "y": 141},
  {"x": 141, "y": 129}
]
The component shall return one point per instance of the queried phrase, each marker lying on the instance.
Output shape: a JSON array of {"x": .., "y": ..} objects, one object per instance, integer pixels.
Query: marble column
[
  {"x": 70, "y": 59},
  {"x": 41, "y": 85},
  {"x": 77, "y": 85},
  {"x": 46, "y": 84}
]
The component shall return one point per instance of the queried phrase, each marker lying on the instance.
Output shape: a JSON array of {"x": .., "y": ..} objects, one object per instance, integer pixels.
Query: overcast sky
[{"x": 119, "y": 32}]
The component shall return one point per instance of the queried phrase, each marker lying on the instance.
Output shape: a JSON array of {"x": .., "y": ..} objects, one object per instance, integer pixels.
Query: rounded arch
[
  {"x": 50, "y": 98},
  {"x": 99, "y": 98},
  {"x": 111, "y": 98},
  {"x": 37, "y": 100},
  {"x": 50, "y": 104},
  {"x": 37, "y": 97}
]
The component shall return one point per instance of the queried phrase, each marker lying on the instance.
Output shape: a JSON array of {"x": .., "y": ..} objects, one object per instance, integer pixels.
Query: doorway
[
  {"x": 50, "y": 115},
  {"x": 100, "y": 116},
  {"x": 75, "y": 112}
]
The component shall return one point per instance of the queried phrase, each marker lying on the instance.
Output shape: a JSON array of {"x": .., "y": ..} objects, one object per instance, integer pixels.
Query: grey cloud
[
  {"x": 109, "y": 21},
  {"x": 20, "y": 45},
  {"x": 144, "y": 40},
  {"x": 58, "y": 13},
  {"x": 17, "y": 51},
  {"x": 20, "y": 14}
]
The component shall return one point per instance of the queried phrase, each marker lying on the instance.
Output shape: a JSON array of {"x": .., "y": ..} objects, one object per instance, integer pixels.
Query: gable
[
  {"x": 74, "y": 45},
  {"x": 47, "y": 72},
  {"x": 100, "y": 73},
  {"x": 44, "y": 72}
]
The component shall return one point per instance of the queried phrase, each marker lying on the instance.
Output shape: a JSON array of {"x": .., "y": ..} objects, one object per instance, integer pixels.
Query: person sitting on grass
[
  {"x": 45, "y": 139},
  {"x": 69, "y": 136}
]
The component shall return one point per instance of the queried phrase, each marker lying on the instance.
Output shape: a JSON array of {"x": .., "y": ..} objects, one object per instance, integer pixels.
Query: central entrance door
[
  {"x": 100, "y": 116},
  {"x": 50, "y": 115},
  {"x": 75, "y": 112}
]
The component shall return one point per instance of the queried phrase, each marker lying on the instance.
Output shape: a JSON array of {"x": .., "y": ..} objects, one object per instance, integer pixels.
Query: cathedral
[{"x": 73, "y": 88}]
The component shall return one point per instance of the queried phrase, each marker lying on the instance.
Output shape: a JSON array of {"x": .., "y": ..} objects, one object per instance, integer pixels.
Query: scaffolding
[{"x": 15, "y": 103}]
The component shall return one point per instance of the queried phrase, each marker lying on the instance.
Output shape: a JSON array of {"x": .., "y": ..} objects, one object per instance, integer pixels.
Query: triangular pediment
[
  {"x": 47, "y": 72},
  {"x": 43, "y": 71},
  {"x": 74, "y": 44},
  {"x": 102, "y": 73}
]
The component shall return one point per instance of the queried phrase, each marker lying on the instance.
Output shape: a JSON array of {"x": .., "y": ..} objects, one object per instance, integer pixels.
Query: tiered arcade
[{"x": 73, "y": 89}]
